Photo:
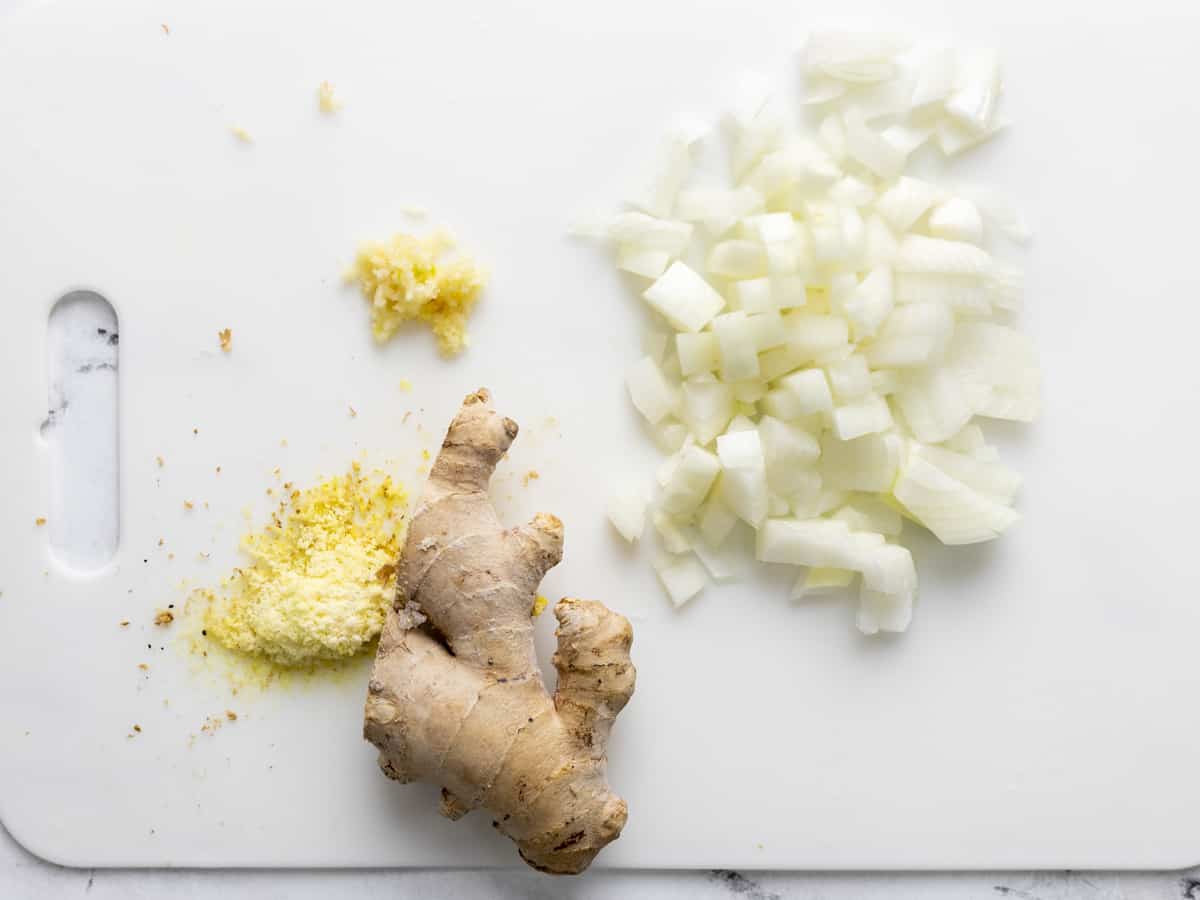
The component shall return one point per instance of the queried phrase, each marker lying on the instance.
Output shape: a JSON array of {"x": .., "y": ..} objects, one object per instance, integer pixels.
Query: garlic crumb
[
  {"x": 225, "y": 336},
  {"x": 242, "y": 135},
  {"x": 326, "y": 100},
  {"x": 164, "y": 617},
  {"x": 39, "y": 521},
  {"x": 407, "y": 277}
]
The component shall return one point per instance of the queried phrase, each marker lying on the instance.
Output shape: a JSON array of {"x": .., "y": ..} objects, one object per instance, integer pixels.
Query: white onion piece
[
  {"x": 913, "y": 335},
  {"x": 637, "y": 229},
  {"x": 717, "y": 209},
  {"x": 737, "y": 344},
  {"x": 690, "y": 481},
  {"x": 749, "y": 392},
  {"x": 954, "y": 139},
  {"x": 737, "y": 259},
  {"x": 867, "y": 463},
  {"x": 935, "y": 404},
  {"x": 697, "y": 352},
  {"x": 997, "y": 481},
  {"x": 768, "y": 332},
  {"x": 849, "y": 378},
  {"x": 809, "y": 392},
  {"x": 706, "y": 408},
  {"x": 672, "y": 169},
  {"x": 1002, "y": 361},
  {"x": 672, "y": 535},
  {"x": 973, "y": 104},
  {"x": 957, "y": 219},
  {"x": 640, "y": 261},
  {"x": 813, "y": 334},
  {"x": 682, "y": 576},
  {"x": 967, "y": 440},
  {"x": 867, "y": 415},
  {"x": 906, "y": 201},
  {"x": 853, "y": 57},
  {"x": 653, "y": 395},
  {"x": 743, "y": 478},
  {"x": 851, "y": 191},
  {"x": 999, "y": 213},
  {"x": 670, "y": 436},
  {"x": 655, "y": 343},
  {"x": 871, "y": 149},
  {"x": 966, "y": 294},
  {"x": 947, "y": 507},
  {"x": 817, "y": 582},
  {"x": 865, "y": 513},
  {"x": 908, "y": 137},
  {"x": 725, "y": 562},
  {"x": 870, "y": 304},
  {"x": 832, "y": 135},
  {"x": 627, "y": 512},
  {"x": 785, "y": 443},
  {"x": 684, "y": 298},
  {"x": 936, "y": 79},
  {"x": 881, "y": 244},
  {"x": 716, "y": 519},
  {"x": 921, "y": 254},
  {"x": 770, "y": 228},
  {"x": 879, "y": 611}
]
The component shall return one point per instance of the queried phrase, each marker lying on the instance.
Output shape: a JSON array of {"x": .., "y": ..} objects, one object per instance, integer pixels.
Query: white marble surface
[{"x": 24, "y": 876}]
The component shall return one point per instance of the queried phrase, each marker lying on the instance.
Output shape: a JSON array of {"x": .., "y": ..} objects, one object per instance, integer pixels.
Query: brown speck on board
[
  {"x": 405, "y": 418},
  {"x": 187, "y": 504},
  {"x": 225, "y": 336},
  {"x": 231, "y": 715},
  {"x": 165, "y": 617},
  {"x": 160, "y": 542},
  {"x": 137, "y": 728},
  {"x": 161, "y": 462},
  {"x": 353, "y": 413},
  {"x": 218, "y": 470},
  {"x": 170, "y": 556},
  {"x": 124, "y": 623},
  {"x": 39, "y": 521},
  {"x": 143, "y": 667},
  {"x": 165, "y": 28},
  {"x": 195, "y": 431}
]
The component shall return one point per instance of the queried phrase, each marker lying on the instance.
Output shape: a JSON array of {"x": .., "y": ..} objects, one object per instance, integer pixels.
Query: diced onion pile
[{"x": 830, "y": 328}]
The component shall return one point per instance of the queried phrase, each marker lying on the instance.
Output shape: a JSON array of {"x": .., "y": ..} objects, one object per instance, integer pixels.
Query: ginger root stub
[{"x": 456, "y": 698}]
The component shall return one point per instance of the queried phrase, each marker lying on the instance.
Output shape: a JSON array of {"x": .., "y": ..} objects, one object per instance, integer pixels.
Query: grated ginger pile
[
  {"x": 410, "y": 277},
  {"x": 322, "y": 574}
]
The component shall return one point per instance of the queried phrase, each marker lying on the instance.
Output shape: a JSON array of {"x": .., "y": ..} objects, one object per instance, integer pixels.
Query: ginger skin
[{"x": 456, "y": 697}]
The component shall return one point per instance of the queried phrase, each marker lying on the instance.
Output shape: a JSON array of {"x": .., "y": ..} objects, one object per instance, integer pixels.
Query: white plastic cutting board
[{"x": 1037, "y": 714}]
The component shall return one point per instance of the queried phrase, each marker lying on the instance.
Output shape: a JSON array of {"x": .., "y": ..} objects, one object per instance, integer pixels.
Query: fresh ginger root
[{"x": 456, "y": 698}]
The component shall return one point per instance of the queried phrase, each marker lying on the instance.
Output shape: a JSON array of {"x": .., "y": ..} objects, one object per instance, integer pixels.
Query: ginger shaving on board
[{"x": 321, "y": 576}]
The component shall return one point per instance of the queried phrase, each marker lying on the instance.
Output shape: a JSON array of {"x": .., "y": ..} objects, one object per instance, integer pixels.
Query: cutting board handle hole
[{"x": 81, "y": 432}]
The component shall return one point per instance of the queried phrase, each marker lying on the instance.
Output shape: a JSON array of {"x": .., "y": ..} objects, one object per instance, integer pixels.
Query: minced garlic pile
[
  {"x": 322, "y": 574},
  {"x": 411, "y": 277}
]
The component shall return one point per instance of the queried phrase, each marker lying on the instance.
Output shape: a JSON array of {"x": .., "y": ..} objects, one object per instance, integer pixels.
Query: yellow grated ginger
[
  {"x": 409, "y": 277},
  {"x": 321, "y": 577}
]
